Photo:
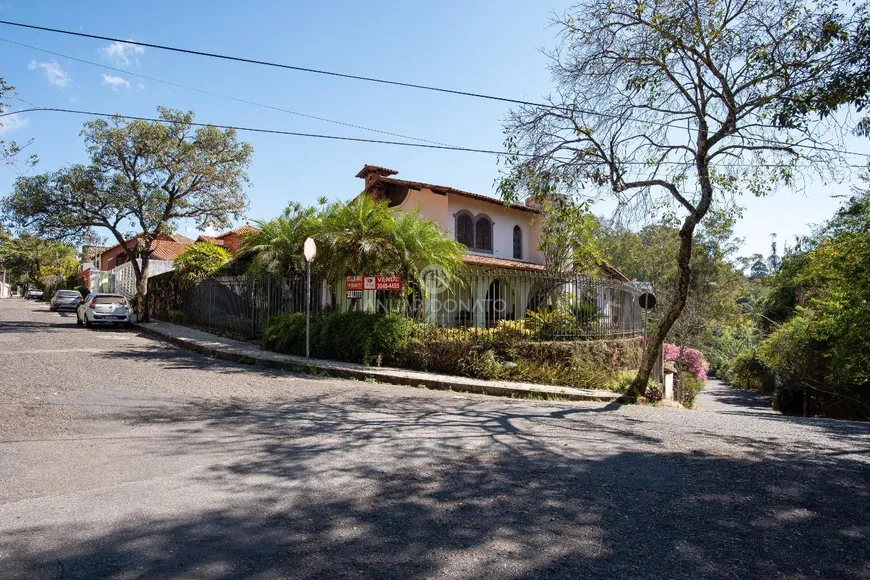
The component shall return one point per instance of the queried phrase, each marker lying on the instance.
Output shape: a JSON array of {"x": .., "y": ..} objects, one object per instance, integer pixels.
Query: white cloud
[
  {"x": 122, "y": 53},
  {"x": 52, "y": 72},
  {"x": 13, "y": 123},
  {"x": 140, "y": 87},
  {"x": 115, "y": 82}
]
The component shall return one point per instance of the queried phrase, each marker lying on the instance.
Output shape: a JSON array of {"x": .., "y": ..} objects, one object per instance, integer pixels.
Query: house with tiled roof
[
  {"x": 166, "y": 247},
  {"x": 231, "y": 240},
  {"x": 112, "y": 271},
  {"x": 496, "y": 234},
  {"x": 506, "y": 274}
]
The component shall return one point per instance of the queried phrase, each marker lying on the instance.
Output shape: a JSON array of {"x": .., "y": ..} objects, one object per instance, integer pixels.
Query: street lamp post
[{"x": 309, "y": 250}]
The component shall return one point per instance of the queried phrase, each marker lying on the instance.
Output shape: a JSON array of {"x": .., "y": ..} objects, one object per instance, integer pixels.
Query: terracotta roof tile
[
  {"x": 478, "y": 260},
  {"x": 245, "y": 230},
  {"x": 490, "y": 262},
  {"x": 166, "y": 250},
  {"x": 181, "y": 239},
  {"x": 444, "y": 190},
  {"x": 375, "y": 169}
]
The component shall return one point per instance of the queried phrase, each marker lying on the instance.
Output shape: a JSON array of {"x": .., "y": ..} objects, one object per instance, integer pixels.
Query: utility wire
[
  {"x": 353, "y": 139},
  {"x": 259, "y": 130},
  {"x": 570, "y": 109},
  {"x": 215, "y": 94},
  {"x": 274, "y": 64}
]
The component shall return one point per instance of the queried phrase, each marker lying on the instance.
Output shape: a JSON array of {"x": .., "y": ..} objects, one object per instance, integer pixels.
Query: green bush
[
  {"x": 83, "y": 290},
  {"x": 199, "y": 261},
  {"x": 747, "y": 370},
  {"x": 360, "y": 337},
  {"x": 692, "y": 385}
]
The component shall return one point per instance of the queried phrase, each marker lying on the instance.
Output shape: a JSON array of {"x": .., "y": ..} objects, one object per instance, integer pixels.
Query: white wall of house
[
  {"x": 504, "y": 219},
  {"x": 443, "y": 209}
]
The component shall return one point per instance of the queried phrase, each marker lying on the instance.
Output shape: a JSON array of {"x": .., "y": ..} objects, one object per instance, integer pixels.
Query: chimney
[{"x": 372, "y": 173}]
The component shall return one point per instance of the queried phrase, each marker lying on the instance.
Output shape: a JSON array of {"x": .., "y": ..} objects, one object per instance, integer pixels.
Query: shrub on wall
[
  {"x": 360, "y": 337},
  {"x": 503, "y": 352}
]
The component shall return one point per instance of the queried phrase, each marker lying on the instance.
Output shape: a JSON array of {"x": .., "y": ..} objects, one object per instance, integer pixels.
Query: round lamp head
[{"x": 309, "y": 249}]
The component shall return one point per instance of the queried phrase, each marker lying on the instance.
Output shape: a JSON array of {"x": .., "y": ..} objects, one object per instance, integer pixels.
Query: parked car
[
  {"x": 33, "y": 295},
  {"x": 99, "y": 308},
  {"x": 16, "y": 295},
  {"x": 69, "y": 299}
]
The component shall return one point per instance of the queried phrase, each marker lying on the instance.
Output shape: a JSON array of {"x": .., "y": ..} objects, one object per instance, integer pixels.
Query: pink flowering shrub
[{"x": 693, "y": 360}]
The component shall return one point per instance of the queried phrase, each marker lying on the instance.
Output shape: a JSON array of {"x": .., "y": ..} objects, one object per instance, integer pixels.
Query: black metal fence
[
  {"x": 544, "y": 306},
  {"x": 239, "y": 304},
  {"x": 551, "y": 306}
]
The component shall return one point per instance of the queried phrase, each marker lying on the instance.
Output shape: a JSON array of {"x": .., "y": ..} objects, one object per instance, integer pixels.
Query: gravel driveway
[{"x": 124, "y": 457}]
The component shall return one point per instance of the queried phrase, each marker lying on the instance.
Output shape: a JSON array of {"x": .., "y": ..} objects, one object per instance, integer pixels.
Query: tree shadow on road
[{"x": 330, "y": 487}]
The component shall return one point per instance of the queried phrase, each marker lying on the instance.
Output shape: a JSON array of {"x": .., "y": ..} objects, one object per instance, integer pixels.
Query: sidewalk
[{"x": 246, "y": 353}]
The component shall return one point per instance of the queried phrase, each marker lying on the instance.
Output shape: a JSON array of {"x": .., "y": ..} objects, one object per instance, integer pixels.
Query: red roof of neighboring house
[
  {"x": 165, "y": 245},
  {"x": 166, "y": 250},
  {"x": 245, "y": 230},
  {"x": 211, "y": 240},
  {"x": 444, "y": 190},
  {"x": 181, "y": 239}
]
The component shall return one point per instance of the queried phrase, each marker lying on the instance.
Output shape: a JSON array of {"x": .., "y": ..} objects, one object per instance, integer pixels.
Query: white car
[{"x": 103, "y": 309}]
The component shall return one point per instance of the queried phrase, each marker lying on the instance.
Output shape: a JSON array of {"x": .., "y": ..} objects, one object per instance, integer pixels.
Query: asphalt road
[{"x": 124, "y": 457}]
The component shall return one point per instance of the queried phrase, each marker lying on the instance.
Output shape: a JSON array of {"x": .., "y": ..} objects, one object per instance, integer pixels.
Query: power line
[
  {"x": 215, "y": 94},
  {"x": 391, "y": 82},
  {"x": 260, "y": 130},
  {"x": 275, "y": 64},
  {"x": 359, "y": 139}
]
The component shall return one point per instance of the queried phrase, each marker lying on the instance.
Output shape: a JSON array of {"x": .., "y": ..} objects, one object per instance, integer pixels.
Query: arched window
[
  {"x": 465, "y": 229},
  {"x": 518, "y": 243},
  {"x": 483, "y": 233}
]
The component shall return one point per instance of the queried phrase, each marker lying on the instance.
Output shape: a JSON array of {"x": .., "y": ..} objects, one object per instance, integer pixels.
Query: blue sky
[{"x": 482, "y": 46}]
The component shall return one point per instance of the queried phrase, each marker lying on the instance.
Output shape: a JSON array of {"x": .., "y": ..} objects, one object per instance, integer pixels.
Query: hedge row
[
  {"x": 360, "y": 337},
  {"x": 501, "y": 353}
]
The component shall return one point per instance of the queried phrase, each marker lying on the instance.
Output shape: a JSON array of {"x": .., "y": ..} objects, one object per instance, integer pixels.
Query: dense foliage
[
  {"x": 360, "y": 237},
  {"x": 360, "y": 337},
  {"x": 31, "y": 261},
  {"x": 199, "y": 261},
  {"x": 810, "y": 341},
  {"x": 151, "y": 174},
  {"x": 507, "y": 351}
]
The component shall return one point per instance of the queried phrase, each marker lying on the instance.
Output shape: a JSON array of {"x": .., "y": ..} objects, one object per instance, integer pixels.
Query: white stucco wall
[
  {"x": 432, "y": 206},
  {"x": 443, "y": 209},
  {"x": 504, "y": 219}
]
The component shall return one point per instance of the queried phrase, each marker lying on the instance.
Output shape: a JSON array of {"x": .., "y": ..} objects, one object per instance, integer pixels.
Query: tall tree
[
  {"x": 10, "y": 151},
  {"x": 145, "y": 175},
  {"x": 668, "y": 106},
  {"x": 277, "y": 246}
]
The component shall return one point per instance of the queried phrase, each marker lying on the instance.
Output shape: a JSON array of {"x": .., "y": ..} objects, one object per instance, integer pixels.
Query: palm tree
[
  {"x": 357, "y": 238},
  {"x": 277, "y": 247},
  {"x": 420, "y": 243}
]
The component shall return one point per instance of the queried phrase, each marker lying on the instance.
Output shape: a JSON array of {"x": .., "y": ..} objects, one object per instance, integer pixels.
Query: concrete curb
[{"x": 381, "y": 375}]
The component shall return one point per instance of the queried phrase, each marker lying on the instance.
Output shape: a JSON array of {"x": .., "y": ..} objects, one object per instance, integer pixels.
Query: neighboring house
[
  {"x": 115, "y": 273},
  {"x": 506, "y": 273},
  {"x": 166, "y": 247},
  {"x": 497, "y": 234},
  {"x": 232, "y": 240}
]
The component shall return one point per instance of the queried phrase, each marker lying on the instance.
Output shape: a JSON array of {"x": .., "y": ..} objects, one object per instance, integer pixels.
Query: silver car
[
  {"x": 61, "y": 299},
  {"x": 103, "y": 309}
]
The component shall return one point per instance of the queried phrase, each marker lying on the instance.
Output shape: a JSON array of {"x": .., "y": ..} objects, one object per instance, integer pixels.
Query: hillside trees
[
  {"x": 142, "y": 175},
  {"x": 668, "y": 106}
]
